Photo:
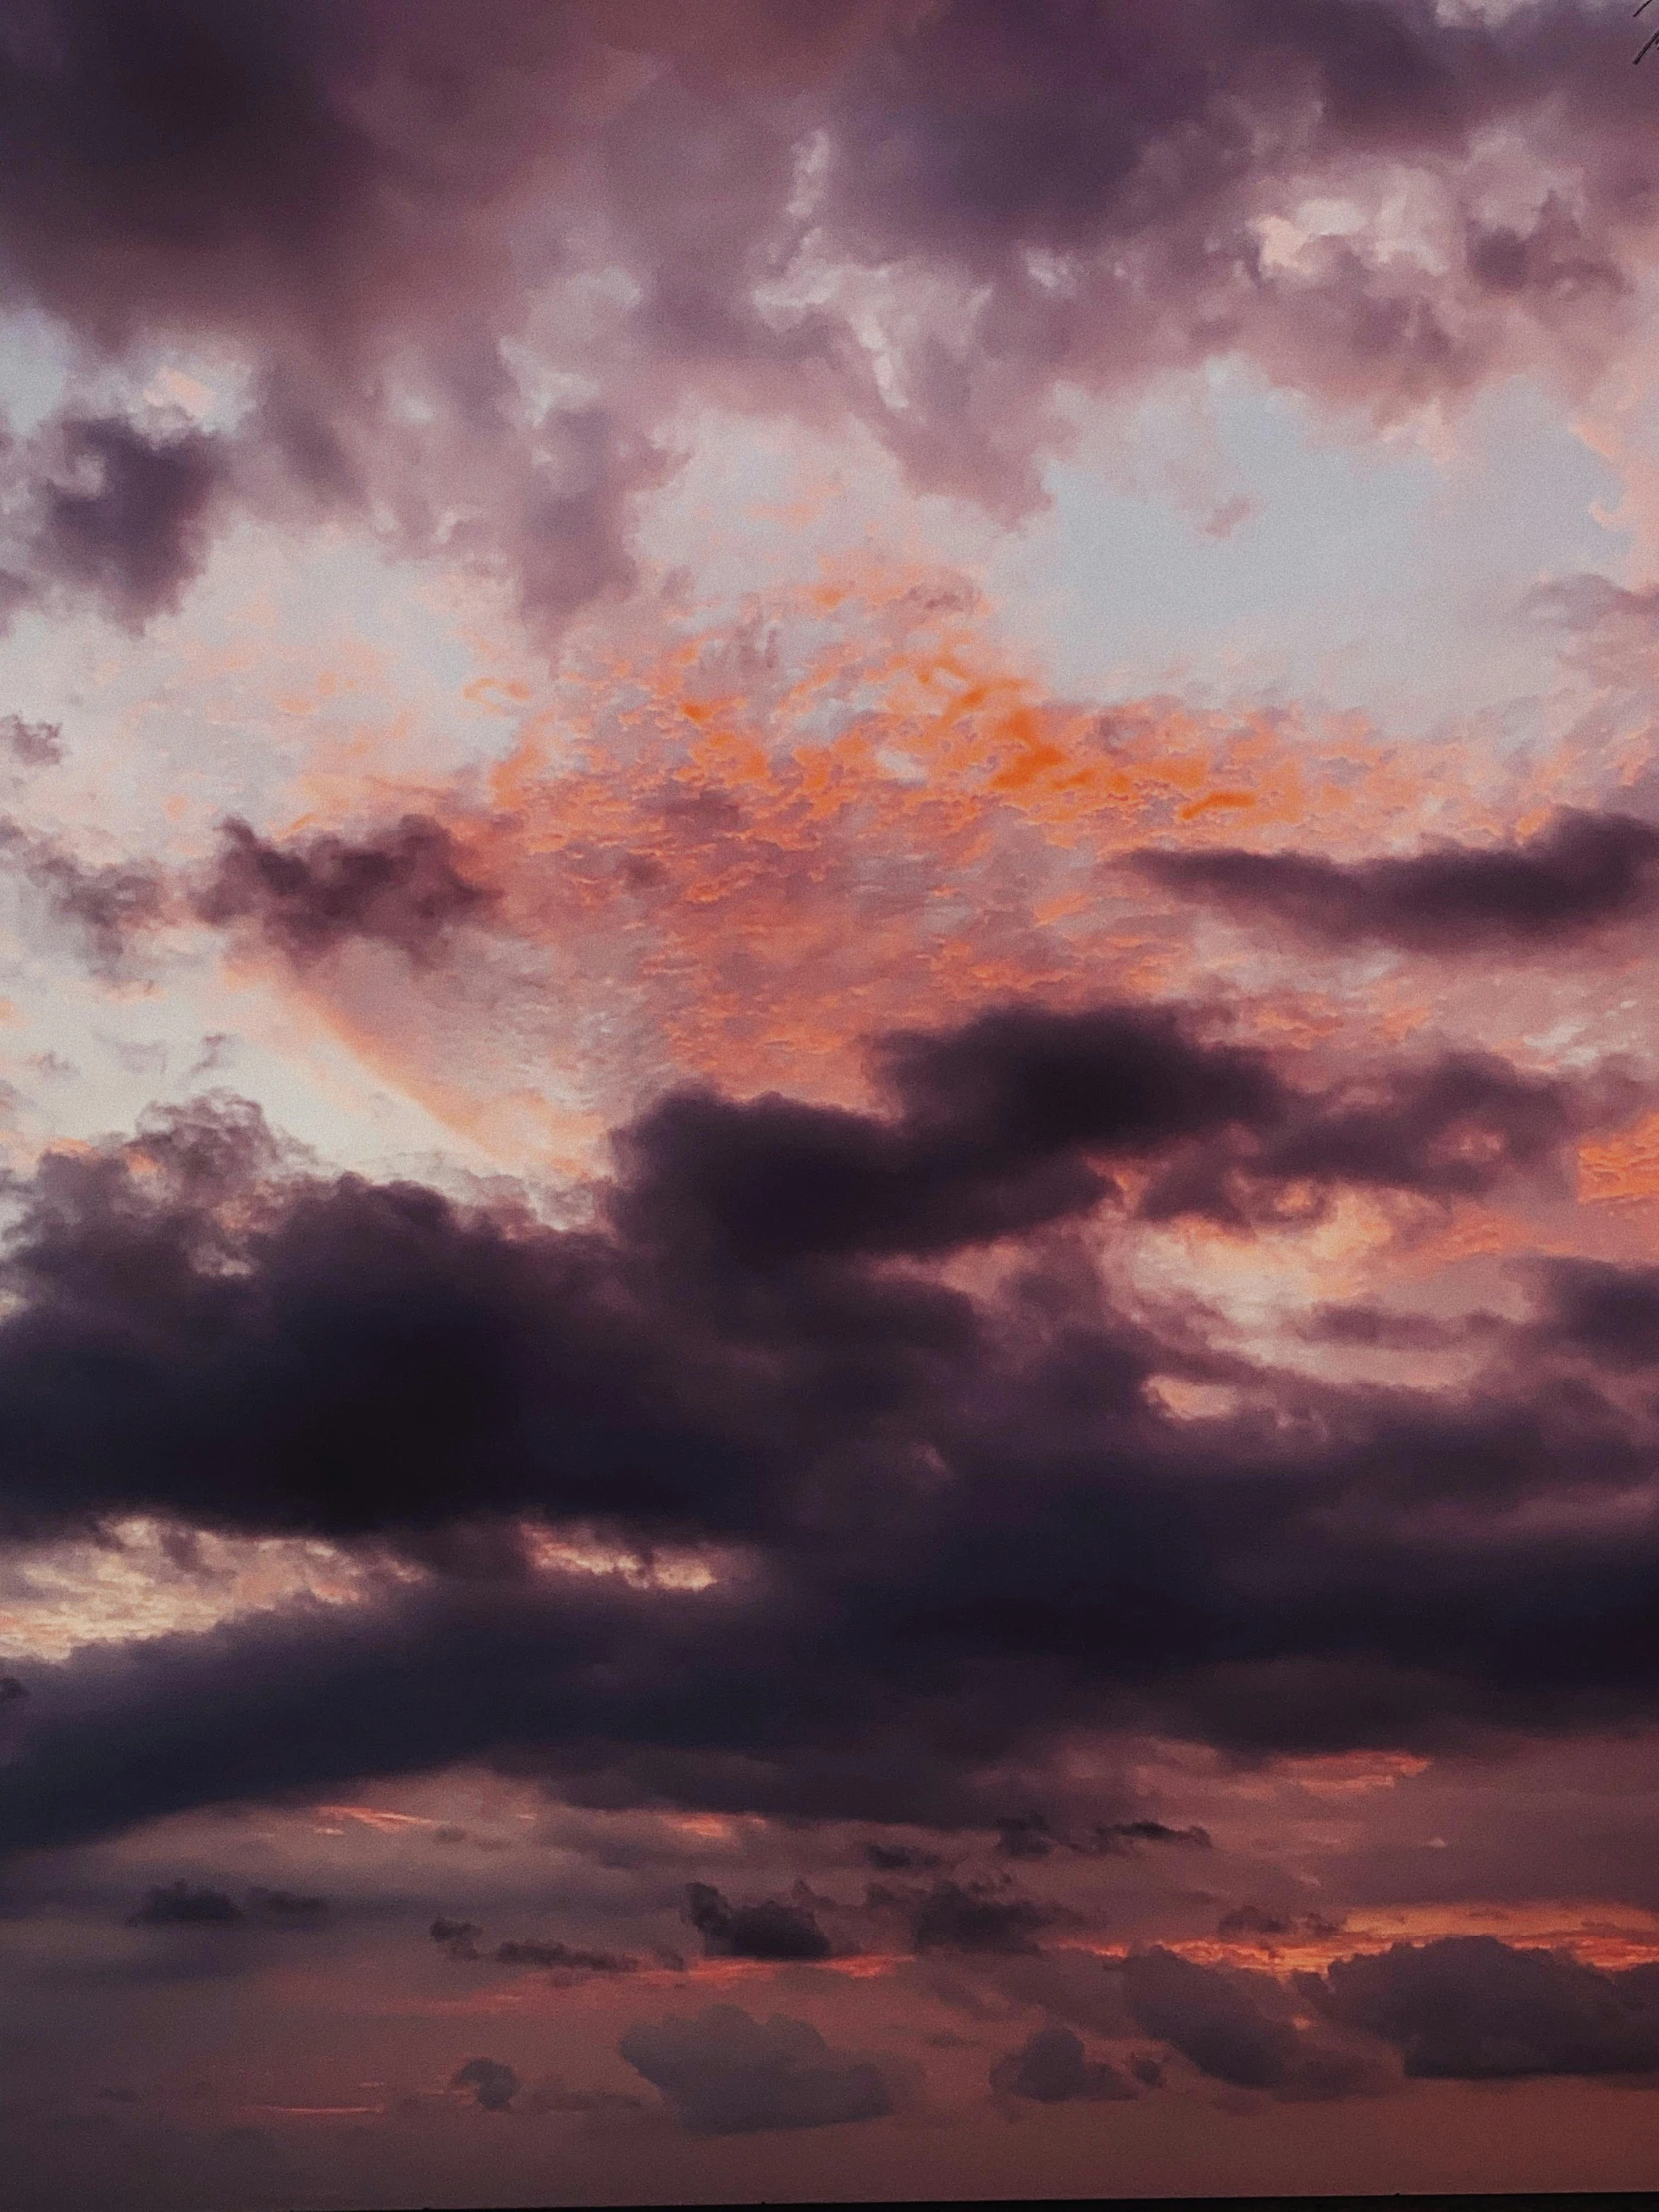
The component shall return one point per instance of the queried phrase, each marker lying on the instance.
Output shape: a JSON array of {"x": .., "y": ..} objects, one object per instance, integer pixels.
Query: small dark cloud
[
  {"x": 11, "y": 1689},
  {"x": 1030, "y": 1836},
  {"x": 458, "y": 1937},
  {"x": 1580, "y": 871},
  {"x": 127, "y": 521},
  {"x": 1267, "y": 1929},
  {"x": 727, "y": 2074},
  {"x": 1051, "y": 2069},
  {"x": 403, "y": 887},
  {"x": 185, "y": 1905},
  {"x": 1124, "y": 1835},
  {"x": 493, "y": 2085},
  {"x": 976, "y": 1918},
  {"x": 770, "y": 1928},
  {"x": 32, "y": 743}
]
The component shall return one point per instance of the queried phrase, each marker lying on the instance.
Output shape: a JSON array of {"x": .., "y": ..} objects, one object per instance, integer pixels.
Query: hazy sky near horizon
[{"x": 829, "y": 1138}]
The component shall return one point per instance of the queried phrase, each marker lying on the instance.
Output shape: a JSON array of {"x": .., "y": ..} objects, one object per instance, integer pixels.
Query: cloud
[
  {"x": 103, "y": 910},
  {"x": 1472, "y": 2009},
  {"x": 207, "y": 1330},
  {"x": 185, "y": 1905},
  {"x": 494, "y": 2085},
  {"x": 1256, "y": 1921},
  {"x": 976, "y": 1918},
  {"x": 1237, "y": 2028},
  {"x": 900, "y": 1858},
  {"x": 458, "y": 1937},
  {"x": 32, "y": 743},
  {"x": 929, "y": 221},
  {"x": 127, "y": 523},
  {"x": 1581, "y": 871},
  {"x": 561, "y": 1958},
  {"x": 1050, "y": 2068},
  {"x": 402, "y": 887},
  {"x": 770, "y": 1928},
  {"x": 727, "y": 2074}
]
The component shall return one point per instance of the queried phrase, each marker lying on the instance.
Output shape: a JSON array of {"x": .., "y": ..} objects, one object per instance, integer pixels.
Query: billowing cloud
[
  {"x": 1050, "y": 2068},
  {"x": 772, "y": 1927},
  {"x": 727, "y": 2074},
  {"x": 1475, "y": 2009},
  {"x": 1237, "y": 2028}
]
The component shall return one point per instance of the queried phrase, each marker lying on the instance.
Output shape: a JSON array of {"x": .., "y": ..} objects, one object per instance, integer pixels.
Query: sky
[{"x": 830, "y": 1136}]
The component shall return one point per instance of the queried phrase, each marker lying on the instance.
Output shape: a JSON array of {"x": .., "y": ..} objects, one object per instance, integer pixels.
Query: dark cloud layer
[
  {"x": 1580, "y": 871},
  {"x": 947, "y": 1527},
  {"x": 367, "y": 202}
]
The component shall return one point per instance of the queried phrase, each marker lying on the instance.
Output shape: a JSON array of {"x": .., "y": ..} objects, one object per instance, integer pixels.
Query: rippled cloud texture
[{"x": 829, "y": 1144}]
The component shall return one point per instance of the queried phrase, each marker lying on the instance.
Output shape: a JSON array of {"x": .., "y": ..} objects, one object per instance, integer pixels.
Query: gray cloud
[
  {"x": 727, "y": 2074},
  {"x": 1050, "y": 2068}
]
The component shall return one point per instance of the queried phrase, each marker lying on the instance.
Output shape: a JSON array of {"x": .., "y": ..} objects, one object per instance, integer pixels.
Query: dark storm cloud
[
  {"x": 1471, "y": 2008},
  {"x": 365, "y": 198},
  {"x": 402, "y": 887},
  {"x": 494, "y": 2085},
  {"x": 769, "y": 1928},
  {"x": 727, "y": 2074},
  {"x": 1051, "y": 2069},
  {"x": 968, "y": 1515},
  {"x": 196, "y": 1335},
  {"x": 1580, "y": 871}
]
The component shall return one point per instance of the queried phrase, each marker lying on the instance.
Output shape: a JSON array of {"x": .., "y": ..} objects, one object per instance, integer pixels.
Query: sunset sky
[{"x": 830, "y": 1139}]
